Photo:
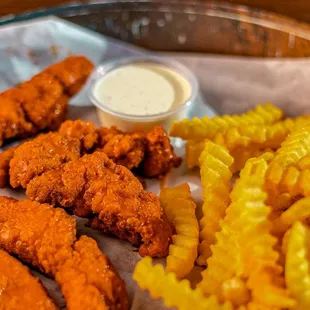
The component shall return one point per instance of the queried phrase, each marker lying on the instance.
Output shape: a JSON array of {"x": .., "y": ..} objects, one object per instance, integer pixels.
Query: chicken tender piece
[
  {"x": 72, "y": 73},
  {"x": 13, "y": 120},
  {"x": 43, "y": 153},
  {"x": 159, "y": 155},
  {"x": 83, "y": 131},
  {"x": 46, "y": 152},
  {"x": 45, "y": 238},
  {"x": 94, "y": 186},
  {"x": 5, "y": 158},
  {"x": 19, "y": 288},
  {"x": 88, "y": 277},
  {"x": 123, "y": 149},
  {"x": 39, "y": 235},
  {"x": 42, "y": 102}
]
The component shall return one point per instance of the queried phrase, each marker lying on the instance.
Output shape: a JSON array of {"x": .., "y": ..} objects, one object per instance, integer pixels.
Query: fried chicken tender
[
  {"x": 45, "y": 238},
  {"x": 85, "y": 132},
  {"x": 48, "y": 151},
  {"x": 42, "y": 102},
  {"x": 95, "y": 187},
  {"x": 13, "y": 121},
  {"x": 72, "y": 73},
  {"x": 159, "y": 155},
  {"x": 151, "y": 152},
  {"x": 19, "y": 288},
  {"x": 88, "y": 277},
  {"x": 5, "y": 158},
  {"x": 43, "y": 153},
  {"x": 124, "y": 149},
  {"x": 38, "y": 234}
]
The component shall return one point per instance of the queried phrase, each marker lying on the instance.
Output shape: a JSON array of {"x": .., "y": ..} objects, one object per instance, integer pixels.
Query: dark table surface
[{"x": 298, "y": 9}]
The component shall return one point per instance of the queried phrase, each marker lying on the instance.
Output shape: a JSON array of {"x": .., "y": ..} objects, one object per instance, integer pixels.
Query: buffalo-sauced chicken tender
[
  {"x": 42, "y": 102},
  {"x": 160, "y": 156},
  {"x": 124, "y": 149},
  {"x": 151, "y": 154},
  {"x": 45, "y": 238},
  {"x": 19, "y": 288},
  {"x": 49, "y": 151},
  {"x": 111, "y": 196}
]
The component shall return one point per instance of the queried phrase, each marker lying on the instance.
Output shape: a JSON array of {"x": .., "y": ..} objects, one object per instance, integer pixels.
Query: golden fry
[
  {"x": 206, "y": 128},
  {"x": 180, "y": 210},
  {"x": 215, "y": 176},
  {"x": 297, "y": 268},
  {"x": 175, "y": 294},
  {"x": 283, "y": 171},
  {"x": 244, "y": 247}
]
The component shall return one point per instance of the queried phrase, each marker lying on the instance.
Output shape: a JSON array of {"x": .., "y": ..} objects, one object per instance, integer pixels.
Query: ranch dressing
[{"x": 144, "y": 88}]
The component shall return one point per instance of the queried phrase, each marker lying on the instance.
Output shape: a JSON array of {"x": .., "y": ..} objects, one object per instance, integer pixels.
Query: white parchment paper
[{"x": 227, "y": 84}]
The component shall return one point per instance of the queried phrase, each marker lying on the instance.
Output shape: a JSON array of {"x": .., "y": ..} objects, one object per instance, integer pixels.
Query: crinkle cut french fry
[
  {"x": 299, "y": 211},
  {"x": 161, "y": 284},
  {"x": 297, "y": 268},
  {"x": 206, "y": 128},
  {"x": 180, "y": 210},
  {"x": 293, "y": 149},
  {"x": 193, "y": 150},
  {"x": 215, "y": 177},
  {"x": 266, "y": 136},
  {"x": 246, "y": 243}
]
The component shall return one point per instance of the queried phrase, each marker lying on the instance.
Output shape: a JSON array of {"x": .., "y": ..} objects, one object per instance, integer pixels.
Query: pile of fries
[{"x": 253, "y": 246}]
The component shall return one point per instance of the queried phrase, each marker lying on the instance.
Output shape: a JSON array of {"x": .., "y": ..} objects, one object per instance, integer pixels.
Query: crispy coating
[
  {"x": 19, "y": 288},
  {"x": 72, "y": 73},
  {"x": 13, "y": 121},
  {"x": 94, "y": 186},
  {"x": 42, "y": 102},
  {"x": 43, "y": 153},
  {"x": 124, "y": 149},
  {"x": 88, "y": 277},
  {"x": 83, "y": 131},
  {"x": 39, "y": 235},
  {"x": 160, "y": 157},
  {"x": 45, "y": 237},
  {"x": 47, "y": 151},
  {"x": 5, "y": 158}
]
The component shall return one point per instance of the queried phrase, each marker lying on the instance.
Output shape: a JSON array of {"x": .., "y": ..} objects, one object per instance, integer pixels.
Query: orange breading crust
[
  {"x": 124, "y": 149},
  {"x": 72, "y": 73},
  {"x": 5, "y": 158},
  {"x": 85, "y": 132},
  {"x": 43, "y": 153},
  {"x": 45, "y": 237},
  {"x": 94, "y": 186},
  {"x": 19, "y": 288},
  {"x": 48, "y": 151},
  {"x": 159, "y": 154},
  {"x": 42, "y": 102}
]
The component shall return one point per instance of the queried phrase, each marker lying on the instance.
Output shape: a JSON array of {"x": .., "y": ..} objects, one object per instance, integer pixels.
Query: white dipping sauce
[{"x": 142, "y": 89}]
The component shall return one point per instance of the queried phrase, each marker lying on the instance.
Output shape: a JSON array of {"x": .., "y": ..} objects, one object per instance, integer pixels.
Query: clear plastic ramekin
[{"x": 129, "y": 123}]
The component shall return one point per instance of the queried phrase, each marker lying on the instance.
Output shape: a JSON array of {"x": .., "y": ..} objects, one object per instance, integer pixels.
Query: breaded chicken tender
[
  {"x": 94, "y": 186},
  {"x": 85, "y": 132},
  {"x": 42, "y": 102},
  {"x": 38, "y": 234},
  {"x": 43, "y": 153},
  {"x": 124, "y": 149},
  {"x": 88, "y": 278},
  {"x": 72, "y": 73},
  {"x": 159, "y": 154},
  {"x": 5, "y": 158},
  {"x": 19, "y": 288},
  {"x": 45, "y": 238},
  {"x": 48, "y": 151}
]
